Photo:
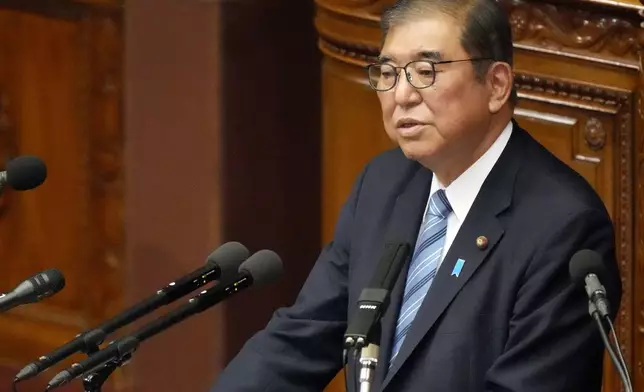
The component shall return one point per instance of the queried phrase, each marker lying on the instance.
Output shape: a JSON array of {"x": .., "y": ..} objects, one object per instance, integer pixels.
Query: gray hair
[{"x": 486, "y": 29}]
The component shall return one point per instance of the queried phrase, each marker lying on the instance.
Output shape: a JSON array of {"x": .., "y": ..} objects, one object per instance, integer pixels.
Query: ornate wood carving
[
  {"x": 569, "y": 30},
  {"x": 580, "y": 95},
  {"x": 619, "y": 104},
  {"x": 593, "y": 35},
  {"x": 638, "y": 310},
  {"x": 624, "y": 232}
]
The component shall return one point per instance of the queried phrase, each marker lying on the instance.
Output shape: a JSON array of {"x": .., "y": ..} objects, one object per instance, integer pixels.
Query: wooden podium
[{"x": 579, "y": 79}]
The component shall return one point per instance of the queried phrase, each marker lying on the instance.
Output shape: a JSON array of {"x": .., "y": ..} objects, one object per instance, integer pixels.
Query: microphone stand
[
  {"x": 617, "y": 359},
  {"x": 364, "y": 331},
  {"x": 366, "y": 354},
  {"x": 101, "y": 364},
  {"x": 368, "y": 364},
  {"x": 93, "y": 382}
]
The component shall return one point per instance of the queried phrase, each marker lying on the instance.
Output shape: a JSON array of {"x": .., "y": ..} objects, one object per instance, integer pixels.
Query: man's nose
[{"x": 405, "y": 93}]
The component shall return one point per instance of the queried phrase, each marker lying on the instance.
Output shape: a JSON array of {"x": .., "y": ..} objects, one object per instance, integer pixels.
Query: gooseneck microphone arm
[
  {"x": 117, "y": 352},
  {"x": 626, "y": 375},
  {"x": 262, "y": 267},
  {"x": 220, "y": 263},
  {"x": 617, "y": 358}
]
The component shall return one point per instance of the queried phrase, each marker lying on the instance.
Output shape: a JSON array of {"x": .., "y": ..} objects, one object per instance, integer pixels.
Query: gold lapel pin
[{"x": 481, "y": 242}]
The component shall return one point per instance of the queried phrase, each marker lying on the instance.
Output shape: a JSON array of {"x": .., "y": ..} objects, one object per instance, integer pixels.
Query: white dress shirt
[{"x": 462, "y": 192}]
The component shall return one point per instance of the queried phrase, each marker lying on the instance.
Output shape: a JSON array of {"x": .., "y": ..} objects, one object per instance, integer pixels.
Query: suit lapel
[
  {"x": 494, "y": 197},
  {"x": 448, "y": 281},
  {"x": 403, "y": 226}
]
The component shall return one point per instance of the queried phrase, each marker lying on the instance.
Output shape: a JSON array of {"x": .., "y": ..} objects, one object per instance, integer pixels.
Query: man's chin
[
  {"x": 423, "y": 155},
  {"x": 413, "y": 150}
]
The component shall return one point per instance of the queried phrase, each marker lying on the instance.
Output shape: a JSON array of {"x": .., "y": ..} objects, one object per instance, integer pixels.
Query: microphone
[
  {"x": 363, "y": 333},
  {"x": 374, "y": 299},
  {"x": 24, "y": 173},
  {"x": 261, "y": 268},
  {"x": 38, "y": 287},
  {"x": 586, "y": 268},
  {"x": 222, "y": 263}
]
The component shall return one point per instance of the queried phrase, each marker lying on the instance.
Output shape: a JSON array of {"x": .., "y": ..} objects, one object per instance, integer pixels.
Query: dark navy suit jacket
[{"x": 510, "y": 322}]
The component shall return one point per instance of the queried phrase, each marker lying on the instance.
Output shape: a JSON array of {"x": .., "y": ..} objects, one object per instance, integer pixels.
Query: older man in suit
[{"x": 485, "y": 303}]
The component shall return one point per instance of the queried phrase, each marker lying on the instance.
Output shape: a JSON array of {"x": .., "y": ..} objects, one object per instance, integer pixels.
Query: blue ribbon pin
[{"x": 458, "y": 267}]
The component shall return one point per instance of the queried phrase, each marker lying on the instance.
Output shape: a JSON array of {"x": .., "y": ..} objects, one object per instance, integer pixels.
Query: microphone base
[{"x": 94, "y": 381}]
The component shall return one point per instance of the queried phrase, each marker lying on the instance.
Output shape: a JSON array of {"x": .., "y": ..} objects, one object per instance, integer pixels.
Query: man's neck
[{"x": 453, "y": 168}]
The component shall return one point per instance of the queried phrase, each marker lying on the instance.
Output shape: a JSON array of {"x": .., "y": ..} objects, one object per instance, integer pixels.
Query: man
[{"x": 485, "y": 303}]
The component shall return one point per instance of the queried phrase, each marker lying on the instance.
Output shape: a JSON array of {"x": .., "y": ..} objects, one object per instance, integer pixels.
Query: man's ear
[{"x": 500, "y": 81}]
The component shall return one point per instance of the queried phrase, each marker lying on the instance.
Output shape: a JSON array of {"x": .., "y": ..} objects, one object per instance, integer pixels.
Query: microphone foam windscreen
[
  {"x": 228, "y": 257},
  {"x": 585, "y": 262},
  {"x": 26, "y": 172},
  {"x": 265, "y": 266}
]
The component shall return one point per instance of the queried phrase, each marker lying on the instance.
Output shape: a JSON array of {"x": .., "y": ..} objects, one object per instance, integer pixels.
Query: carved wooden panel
[
  {"x": 60, "y": 99},
  {"x": 597, "y": 142},
  {"x": 638, "y": 216},
  {"x": 577, "y": 71}
]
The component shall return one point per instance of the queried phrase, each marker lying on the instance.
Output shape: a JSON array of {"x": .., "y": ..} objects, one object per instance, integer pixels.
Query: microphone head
[
  {"x": 26, "y": 172},
  {"x": 228, "y": 257},
  {"x": 265, "y": 266},
  {"x": 49, "y": 282},
  {"x": 583, "y": 263},
  {"x": 43, "y": 284}
]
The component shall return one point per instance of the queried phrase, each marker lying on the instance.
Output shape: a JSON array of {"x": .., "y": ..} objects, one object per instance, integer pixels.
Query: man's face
[{"x": 446, "y": 121}]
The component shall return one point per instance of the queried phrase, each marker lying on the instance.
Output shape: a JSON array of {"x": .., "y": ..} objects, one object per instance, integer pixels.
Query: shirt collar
[{"x": 462, "y": 192}]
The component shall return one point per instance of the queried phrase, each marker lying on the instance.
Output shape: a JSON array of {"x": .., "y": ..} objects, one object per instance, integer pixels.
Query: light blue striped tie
[{"x": 424, "y": 264}]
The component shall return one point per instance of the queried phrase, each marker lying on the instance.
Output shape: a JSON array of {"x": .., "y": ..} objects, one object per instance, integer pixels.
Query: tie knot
[{"x": 439, "y": 205}]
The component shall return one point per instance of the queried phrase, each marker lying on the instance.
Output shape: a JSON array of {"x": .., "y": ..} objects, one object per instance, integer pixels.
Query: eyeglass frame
[{"x": 433, "y": 64}]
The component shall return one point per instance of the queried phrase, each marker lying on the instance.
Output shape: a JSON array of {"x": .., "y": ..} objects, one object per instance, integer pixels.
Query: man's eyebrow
[
  {"x": 383, "y": 59},
  {"x": 431, "y": 55},
  {"x": 425, "y": 55}
]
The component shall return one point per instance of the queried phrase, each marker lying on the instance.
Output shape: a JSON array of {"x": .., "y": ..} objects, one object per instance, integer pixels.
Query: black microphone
[
  {"x": 221, "y": 263},
  {"x": 263, "y": 267},
  {"x": 363, "y": 333},
  {"x": 586, "y": 268},
  {"x": 374, "y": 299},
  {"x": 38, "y": 287},
  {"x": 24, "y": 173}
]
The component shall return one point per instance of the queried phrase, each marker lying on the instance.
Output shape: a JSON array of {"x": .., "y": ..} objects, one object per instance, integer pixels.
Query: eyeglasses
[{"x": 420, "y": 73}]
